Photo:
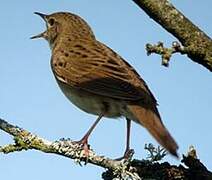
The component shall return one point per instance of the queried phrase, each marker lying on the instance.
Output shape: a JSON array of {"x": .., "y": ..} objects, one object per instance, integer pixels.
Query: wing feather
[{"x": 96, "y": 68}]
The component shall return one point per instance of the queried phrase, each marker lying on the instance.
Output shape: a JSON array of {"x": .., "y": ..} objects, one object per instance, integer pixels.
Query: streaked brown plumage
[{"x": 98, "y": 80}]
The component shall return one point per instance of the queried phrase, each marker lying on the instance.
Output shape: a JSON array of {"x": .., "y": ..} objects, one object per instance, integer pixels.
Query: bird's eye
[{"x": 51, "y": 21}]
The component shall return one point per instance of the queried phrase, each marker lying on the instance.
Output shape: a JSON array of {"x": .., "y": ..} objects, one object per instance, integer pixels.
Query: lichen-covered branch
[
  {"x": 116, "y": 169},
  {"x": 197, "y": 45},
  {"x": 24, "y": 140},
  {"x": 165, "y": 53}
]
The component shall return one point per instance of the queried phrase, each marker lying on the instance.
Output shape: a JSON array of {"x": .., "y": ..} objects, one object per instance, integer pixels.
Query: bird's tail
[{"x": 152, "y": 122}]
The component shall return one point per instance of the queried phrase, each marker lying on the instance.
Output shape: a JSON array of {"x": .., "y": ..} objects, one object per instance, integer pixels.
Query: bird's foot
[
  {"x": 127, "y": 155},
  {"x": 85, "y": 146}
]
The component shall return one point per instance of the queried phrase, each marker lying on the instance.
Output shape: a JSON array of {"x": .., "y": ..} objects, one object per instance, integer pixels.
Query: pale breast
[{"x": 92, "y": 103}]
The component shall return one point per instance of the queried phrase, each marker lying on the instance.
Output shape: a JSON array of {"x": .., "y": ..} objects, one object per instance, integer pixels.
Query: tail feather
[{"x": 152, "y": 122}]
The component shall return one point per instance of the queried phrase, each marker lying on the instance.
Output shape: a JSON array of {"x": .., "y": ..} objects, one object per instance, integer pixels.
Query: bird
[{"x": 98, "y": 80}]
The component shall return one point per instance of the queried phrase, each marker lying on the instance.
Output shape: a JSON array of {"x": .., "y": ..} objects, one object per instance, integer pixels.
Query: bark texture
[
  {"x": 197, "y": 45},
  {"x": 115, "y": 169}
]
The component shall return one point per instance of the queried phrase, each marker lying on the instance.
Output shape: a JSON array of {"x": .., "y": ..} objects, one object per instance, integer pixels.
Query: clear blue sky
[{"x": 30, "y": 98}]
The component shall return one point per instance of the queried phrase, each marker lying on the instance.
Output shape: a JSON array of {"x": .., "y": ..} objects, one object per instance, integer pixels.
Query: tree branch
[
  {"x": 196, "y": 44},
  {"x": 116, "y": 169},
  {"x": 24, "y": 140}
]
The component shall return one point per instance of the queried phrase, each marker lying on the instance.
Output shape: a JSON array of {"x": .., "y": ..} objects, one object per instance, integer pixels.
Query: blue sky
[{"x": 30, "y": 98}]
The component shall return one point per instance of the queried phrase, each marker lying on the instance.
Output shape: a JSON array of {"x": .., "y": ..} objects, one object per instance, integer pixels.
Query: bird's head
[{"x": 63, "y": 24}]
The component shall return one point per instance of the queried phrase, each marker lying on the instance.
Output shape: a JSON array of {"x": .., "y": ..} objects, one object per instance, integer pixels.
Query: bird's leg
[
  {"x": 128, "y": 151},
  {"x": 84, "y": 140},
  {"x": 128, "y": 136}
]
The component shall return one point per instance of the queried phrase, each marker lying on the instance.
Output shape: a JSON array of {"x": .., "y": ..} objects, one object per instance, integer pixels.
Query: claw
[{"x": 127, "y": 155}]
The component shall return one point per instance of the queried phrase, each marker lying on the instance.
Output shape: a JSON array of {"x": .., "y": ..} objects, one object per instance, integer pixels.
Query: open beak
[
  {"x": 43, "y": 16},
  {"x": 43, "y": 34}
]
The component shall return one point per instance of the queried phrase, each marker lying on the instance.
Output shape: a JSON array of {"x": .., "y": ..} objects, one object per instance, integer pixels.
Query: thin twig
[{"x": 165, "y": 53}]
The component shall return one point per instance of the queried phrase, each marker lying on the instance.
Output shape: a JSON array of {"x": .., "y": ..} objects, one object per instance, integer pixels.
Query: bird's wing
[{"x": 97, "y": 69}]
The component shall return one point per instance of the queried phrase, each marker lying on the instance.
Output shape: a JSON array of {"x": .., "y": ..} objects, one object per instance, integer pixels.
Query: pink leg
[{"x": 84, "y": 140}]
